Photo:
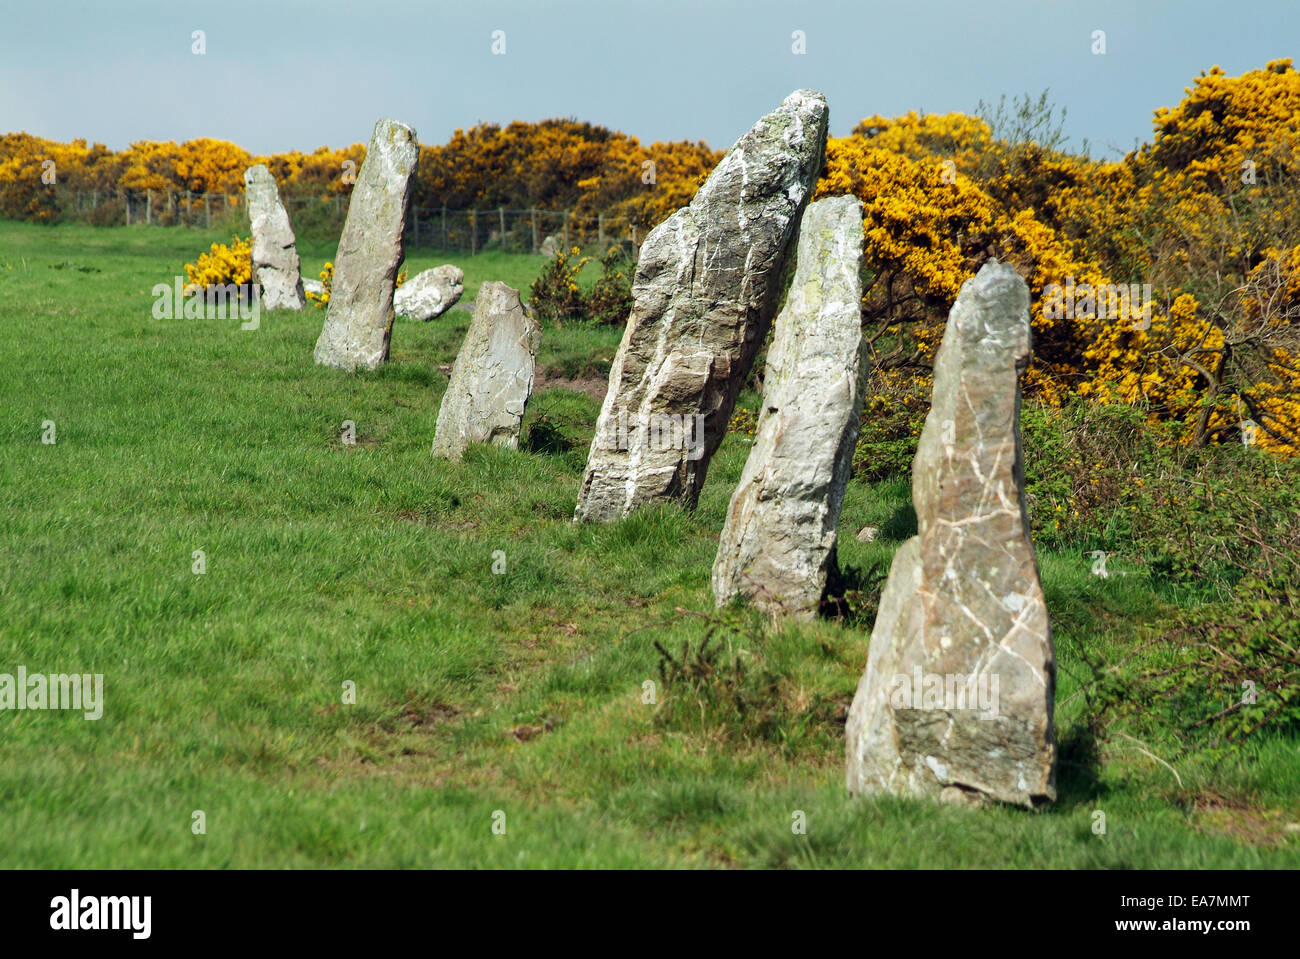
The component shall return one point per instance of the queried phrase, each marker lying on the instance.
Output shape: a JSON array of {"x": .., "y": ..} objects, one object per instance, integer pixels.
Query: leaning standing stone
[
  {"x": 275, "y": 257},
  {"x": 956, "y": 701},
  {"x": 705, "y": 291},
  {"x": 493, "y": 376},
  {"x": 779, "y": 537},
  {"x": 359, "y": 320}
]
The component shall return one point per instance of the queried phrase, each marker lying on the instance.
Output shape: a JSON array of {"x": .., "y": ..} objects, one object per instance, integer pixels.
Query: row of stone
[
  {"x": 493, "y": 375},
  {"x": 963, "y": 597},
  {"x": 963, "y": 610},
  {"x": 277, "y": 267}
]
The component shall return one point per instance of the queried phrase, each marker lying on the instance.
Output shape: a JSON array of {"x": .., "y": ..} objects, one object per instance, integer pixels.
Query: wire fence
[{"x": 467, "y": 231}]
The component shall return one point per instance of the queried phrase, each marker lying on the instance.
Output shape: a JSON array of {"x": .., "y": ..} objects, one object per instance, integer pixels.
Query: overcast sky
[{"x": 296, "y": 74}]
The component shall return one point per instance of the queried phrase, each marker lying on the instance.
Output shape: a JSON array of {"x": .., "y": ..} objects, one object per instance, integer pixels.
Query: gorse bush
[
  {"x": 550, "y": 165},
  {"x": 610, "y": 300},
  {"x": 557, "y": 295},
  {"x": 222, "y": 265},
  {"x": 893, "y": 415},
  {"x": 322, "y": 299}
]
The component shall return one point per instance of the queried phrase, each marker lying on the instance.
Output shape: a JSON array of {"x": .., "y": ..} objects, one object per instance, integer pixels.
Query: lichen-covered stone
[
  {"x": 275, "y": 256},
  {"x": 956, "y": 701},
  {"x": 779, "y": 538},
  {"x": 492, "y": 377},
  {"x": 359, "y": 319},
  {"x": 706, "y": 288}
]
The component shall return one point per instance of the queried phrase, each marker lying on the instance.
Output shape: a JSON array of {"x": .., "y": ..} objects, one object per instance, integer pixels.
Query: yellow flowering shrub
[
  {"x": 222, "y": 265},
  {"x": 322, "y": 299}
]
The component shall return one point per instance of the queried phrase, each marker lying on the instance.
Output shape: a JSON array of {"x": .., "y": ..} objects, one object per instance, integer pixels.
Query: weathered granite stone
[
  {"x": 359, "y": 319},
  {"x": 956, "y": 701},
  {"x": 430, "y": 294},
  {"x": 550, "y": 247},
  {"x": 275, "y": 256},
  {"x": 312, "y": 286},
  {"x": 706, "y": 288},
  {"x": 493, "y": 375},
  {"x": 779, "y": 538}
]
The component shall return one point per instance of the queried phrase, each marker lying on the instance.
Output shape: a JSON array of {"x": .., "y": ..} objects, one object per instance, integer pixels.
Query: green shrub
[
  {"x": 893, "y": 414},
  {"x": 557, "y": 297},
  {"x": 1215, "y": 676}
]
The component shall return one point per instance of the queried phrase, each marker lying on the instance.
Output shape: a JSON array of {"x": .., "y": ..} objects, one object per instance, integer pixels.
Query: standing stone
[
  {"x": 956, "y": 701},
  {"x": 493, "y": 376},
  {"x": 779, "y": 537},
  {"x": 275, "y": 257},
  {"x": 430, "y": 294},
  {"x": 359, "y": 319},
  {"x": 705, "y": 291},
  {"x": 550, "y": 247}
]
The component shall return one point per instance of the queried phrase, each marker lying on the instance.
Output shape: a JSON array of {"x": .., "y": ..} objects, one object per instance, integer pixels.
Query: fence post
[
  {"x": 94, "y": 200},
  {"x": 532, "y": 215},
  {"x": 207, "y": 211},
  {"x": 473, "y": 233},
  {"x": 126, "y": 202},
  {"x": 501, "y": 219},
  {"x": 600, "y": 233},
  {"x": 415, "y": 226},
  {"x": 444, "y": 226},
  {"x": 148, "y": 206},
  {"x": 189, "y": 207},
  {"x": 566, "y": 231}
]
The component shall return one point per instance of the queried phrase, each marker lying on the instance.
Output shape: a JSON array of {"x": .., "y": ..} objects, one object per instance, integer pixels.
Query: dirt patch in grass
[
  {"x": 590, "y": 384},
  {"x": 1239, "y": 821}
]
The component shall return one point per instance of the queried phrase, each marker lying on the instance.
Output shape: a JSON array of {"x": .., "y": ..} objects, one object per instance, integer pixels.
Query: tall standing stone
[
  {"x": 493, "y": 376},
  {"x": 275, "y": 255},
  {"x": 956, "y": 701},
  {"x": 705, "y": 291},
  {"x": 779, "y": 537},
  {"x": 359, "y": 320}
]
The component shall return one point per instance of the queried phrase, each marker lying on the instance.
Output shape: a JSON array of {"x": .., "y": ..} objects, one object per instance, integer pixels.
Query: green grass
[{"x": 476, "y": 692}]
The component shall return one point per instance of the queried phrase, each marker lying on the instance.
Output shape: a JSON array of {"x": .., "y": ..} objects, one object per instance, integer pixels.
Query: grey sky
[{"x": 293, "y": 74}]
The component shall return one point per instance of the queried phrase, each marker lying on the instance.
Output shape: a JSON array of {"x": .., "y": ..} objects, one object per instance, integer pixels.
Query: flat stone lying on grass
[
  {"x": 430, "y": 294},
  {"x": 492, "y": 377},
  {"x": 275, "y": 256},
  {"x": 956, "y": 701},
  {"x": 705, "y": 291},
  {"x": 778, "y": 541},
  {"x": 359, "y": 318}
]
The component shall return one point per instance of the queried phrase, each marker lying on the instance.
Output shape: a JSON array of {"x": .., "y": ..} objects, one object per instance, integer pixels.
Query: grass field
[{"x": 477, "y": 694}]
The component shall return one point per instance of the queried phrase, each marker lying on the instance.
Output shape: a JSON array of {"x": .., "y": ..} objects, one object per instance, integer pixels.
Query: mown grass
[{"x": 476, "y": 693}]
